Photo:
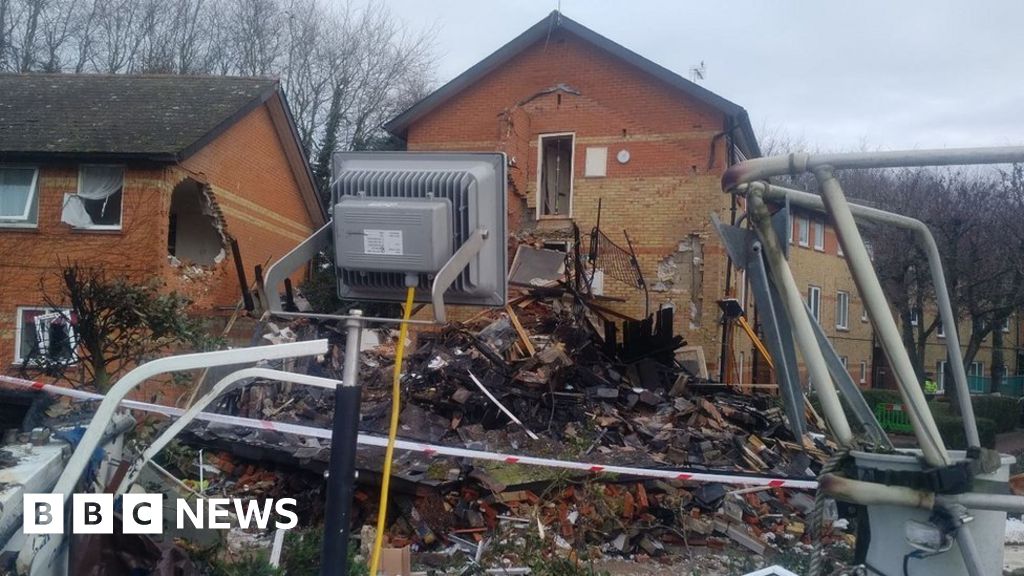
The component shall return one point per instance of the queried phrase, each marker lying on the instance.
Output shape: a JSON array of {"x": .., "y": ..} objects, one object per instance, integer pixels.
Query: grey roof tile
[{"x": 159, "y": 117}]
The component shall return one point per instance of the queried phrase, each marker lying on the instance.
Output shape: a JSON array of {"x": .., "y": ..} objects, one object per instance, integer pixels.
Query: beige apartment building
[{"x": 821, "y": 272}]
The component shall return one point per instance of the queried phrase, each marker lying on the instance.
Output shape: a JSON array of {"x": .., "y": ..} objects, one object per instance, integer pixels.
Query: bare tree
[
  {"x": 973, "y": 216},
  {"x": 346, "y": 68},
  {"x": 60, "y": 20}
]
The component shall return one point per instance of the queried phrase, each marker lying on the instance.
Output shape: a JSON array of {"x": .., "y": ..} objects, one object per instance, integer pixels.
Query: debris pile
[{"x": 552, "y": 374}]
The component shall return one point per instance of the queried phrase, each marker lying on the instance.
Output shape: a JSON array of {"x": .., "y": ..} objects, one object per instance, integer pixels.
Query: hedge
[
  {"x": 951, "y": 429},
  {"x": 1004, "y": 411},
  {"x": 876, "y": 396}
]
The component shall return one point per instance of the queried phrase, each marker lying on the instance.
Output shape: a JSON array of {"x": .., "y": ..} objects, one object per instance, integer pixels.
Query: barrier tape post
[{"x": 436, "y": 449}]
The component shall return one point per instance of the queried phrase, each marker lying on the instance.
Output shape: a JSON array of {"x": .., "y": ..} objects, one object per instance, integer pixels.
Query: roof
[
  {"x": 541, "y": 30},
  {"x": 160, "y": 118}
]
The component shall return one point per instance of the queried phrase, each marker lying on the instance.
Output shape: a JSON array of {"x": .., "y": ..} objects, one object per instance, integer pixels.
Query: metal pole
[
  {"x": 972, "y": 559},
  {"x": 798, "y": 163},
  {"x": 927, "y": 242},
  {"x": 980, "y": 501},
  {"x": 803, "y": 333},
  {"x": 932, "y": 447},
  {"x": 341, "y": 475}
]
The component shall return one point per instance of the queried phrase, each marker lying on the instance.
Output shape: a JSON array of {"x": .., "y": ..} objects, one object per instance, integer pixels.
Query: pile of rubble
[{"x": 549, "y": 376}]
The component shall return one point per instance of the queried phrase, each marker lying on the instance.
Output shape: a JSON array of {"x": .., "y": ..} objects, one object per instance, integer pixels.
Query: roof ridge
[
  {"x": 145, "y": 75},
  {"x": 540, "y": 31}
]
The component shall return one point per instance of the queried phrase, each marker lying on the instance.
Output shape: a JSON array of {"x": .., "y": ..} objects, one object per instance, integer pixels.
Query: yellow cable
[{"x": 396, "y": 390}]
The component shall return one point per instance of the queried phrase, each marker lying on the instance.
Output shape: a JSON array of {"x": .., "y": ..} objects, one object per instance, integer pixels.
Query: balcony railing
[{"x": 1010, "y": 386}]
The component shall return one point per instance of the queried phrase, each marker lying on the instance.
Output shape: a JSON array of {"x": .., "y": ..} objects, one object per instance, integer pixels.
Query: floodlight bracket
[
  {"x": 310, "y": 247},
  {"x": 452, "y": 268},
  {"x": 305, "y": 252}
]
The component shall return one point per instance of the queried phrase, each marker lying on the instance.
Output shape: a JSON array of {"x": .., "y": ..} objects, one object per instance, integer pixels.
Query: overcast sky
[{"x": 837, "y": 75}]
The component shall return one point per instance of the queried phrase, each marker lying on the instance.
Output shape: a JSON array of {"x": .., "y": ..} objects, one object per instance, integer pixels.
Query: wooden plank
[{"x": 523, "y": 336}]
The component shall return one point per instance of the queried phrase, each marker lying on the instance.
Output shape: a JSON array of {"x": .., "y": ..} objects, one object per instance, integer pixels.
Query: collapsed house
[{"x": 146, "y": 177}]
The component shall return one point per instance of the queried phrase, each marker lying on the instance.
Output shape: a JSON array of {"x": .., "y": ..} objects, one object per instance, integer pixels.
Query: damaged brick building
[
  {"x": 145, "y": 177},
  {"x": 585, "y": 123}
]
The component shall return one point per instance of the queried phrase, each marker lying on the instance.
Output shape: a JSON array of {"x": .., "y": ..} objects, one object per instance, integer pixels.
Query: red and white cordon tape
[{"x": 432, "y": 449}]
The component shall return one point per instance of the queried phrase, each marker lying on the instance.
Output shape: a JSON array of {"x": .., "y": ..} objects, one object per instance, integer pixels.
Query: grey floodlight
[
  {"x": 433, "y": 220},
  {"x": 440, "y": 215}
]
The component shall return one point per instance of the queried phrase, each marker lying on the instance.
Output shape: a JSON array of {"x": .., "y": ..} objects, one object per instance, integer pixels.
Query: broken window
[
  {"x": 194, "y": 230},
  {"x": 45, "y": 335},
  {"x": 555, "y": 187},
  {"x": 18, "y": 204},
  {"x": 97, "y": 203}
]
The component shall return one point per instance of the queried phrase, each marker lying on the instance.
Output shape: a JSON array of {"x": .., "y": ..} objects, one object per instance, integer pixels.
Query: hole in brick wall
[{"x": 195, "y": 233}]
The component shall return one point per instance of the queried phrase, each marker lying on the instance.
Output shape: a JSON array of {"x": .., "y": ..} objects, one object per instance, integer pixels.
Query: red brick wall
[
  {"x": 31, "y": 258},
  {"x": 255, "y": 190},
  {"x": 257, "y": 194},
  {"x": 664, "y": 195}
]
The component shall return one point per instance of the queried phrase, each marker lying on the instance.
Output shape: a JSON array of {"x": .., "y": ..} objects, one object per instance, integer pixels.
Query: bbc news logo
[{"x": 144, "y": 513}]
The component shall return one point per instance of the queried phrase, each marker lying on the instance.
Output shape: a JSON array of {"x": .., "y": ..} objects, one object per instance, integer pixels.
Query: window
[
  {"x": 940, "y": 330},
  {"x": 1006, "y": 324},
  {"x": 941, "y": 379},
  {"x": 863, "y": 372},
  {"x": 976, "y": 369},
  {"x": 814, "y": 301},
  {"x": 845, "y": 361},
  {"x": 742, "y": 278},
  {"x": 18, "y": 199},
  {"x": 915, "y": 317},
  {"x": 805, "y": 231},
  {"x": 554, "y": 187},
  {"x": 842, "y": 310},
  {"x": 97, "y": 203},
  {"x": 819, "y": 235},
  {"x": 45, "y": 335},
  {"x": 864, "y": 314}
]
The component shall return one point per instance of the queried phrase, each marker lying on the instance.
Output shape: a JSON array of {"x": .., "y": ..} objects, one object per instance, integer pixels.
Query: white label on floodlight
[{"x": 385, "y": 242}]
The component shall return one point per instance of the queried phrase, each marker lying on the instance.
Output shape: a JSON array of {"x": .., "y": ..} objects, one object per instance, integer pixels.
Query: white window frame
[
  {"x": 1006, "y": 325},
  {"x": 940, "y": 380},
  {"x": 33, "y": 200},
  {"x": 977, "y": 368},
  {"x": 741, "y": 276},
  {"x": 120, "y": 217},
  {"x": 863, "y": 372},
  {"x": 804, "y": 229},
  {"x": 19, "y": 327},
  {"x": 819, "y": 235},
  {"x": 940, "y": 330},
  {"x": 915, "y": 318},
  {"x": 814, "y": 301},
  {"x": 540, "y": 172},
  {"x": 842, "y": 310}
]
